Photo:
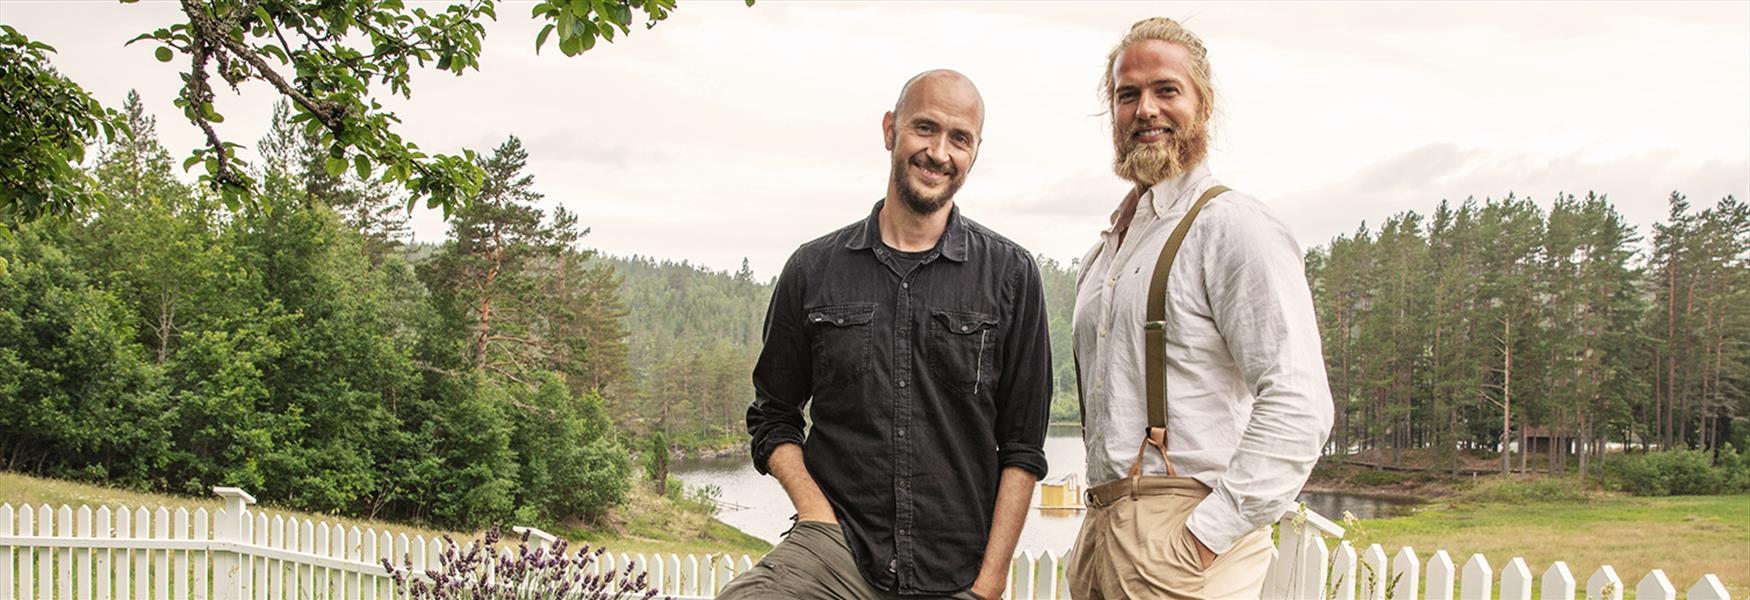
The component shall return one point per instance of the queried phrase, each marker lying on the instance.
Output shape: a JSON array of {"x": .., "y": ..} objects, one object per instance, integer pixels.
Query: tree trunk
[{"x": 1507, "y": 399}]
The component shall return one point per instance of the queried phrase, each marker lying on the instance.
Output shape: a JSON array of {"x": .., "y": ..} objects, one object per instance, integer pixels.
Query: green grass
[
  {"x": 652, "y": 523},
  {"x": 648, "y": 523},
  {"x": 1685, "y": 536}
]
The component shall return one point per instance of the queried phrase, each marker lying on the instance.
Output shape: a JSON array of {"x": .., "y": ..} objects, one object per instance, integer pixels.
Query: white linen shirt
[{"x": 1249, "y": 407}]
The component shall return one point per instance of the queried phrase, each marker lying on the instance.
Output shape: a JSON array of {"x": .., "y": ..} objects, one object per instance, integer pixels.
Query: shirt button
[
  {"x": 966, "y": 328},
  {"x": 902, "y": 383},
  {"x": 841, "y": 321},
  {"x": 905, "y": 285},
  {"x": 901, "y": 433}
]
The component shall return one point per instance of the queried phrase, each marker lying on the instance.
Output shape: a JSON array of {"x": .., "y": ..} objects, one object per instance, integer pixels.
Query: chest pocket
[
  {"x": 962, "y": 351},
  {"x": 841, "y": 338}
]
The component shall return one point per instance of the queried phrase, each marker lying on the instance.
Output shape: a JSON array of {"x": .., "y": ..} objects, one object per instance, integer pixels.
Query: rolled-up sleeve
[
  {"x": 1024, "y": 393},
  {"x": 1260, "y": 301},
  {"x": 782, "y": 377}
]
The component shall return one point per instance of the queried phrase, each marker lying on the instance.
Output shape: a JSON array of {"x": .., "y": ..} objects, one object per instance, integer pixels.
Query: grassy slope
[
  {"x": 1684, "y": 536},
  {"x": 648, "y": 523}
]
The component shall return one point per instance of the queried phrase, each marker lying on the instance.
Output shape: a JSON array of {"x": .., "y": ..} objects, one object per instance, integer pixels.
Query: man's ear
[{"x": 887, "y": 137}]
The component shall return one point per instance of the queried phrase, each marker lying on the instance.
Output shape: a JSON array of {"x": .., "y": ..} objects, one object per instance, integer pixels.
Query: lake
[{"x": 757, "y": 505}]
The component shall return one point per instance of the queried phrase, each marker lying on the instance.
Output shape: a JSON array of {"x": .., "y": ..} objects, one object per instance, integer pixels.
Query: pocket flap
[
  {"x": 964, "y": 323},
  {"x": 843, "y": 315}
]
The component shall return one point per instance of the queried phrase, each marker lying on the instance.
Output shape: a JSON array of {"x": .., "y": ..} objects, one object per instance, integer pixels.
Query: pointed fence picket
[
  {"x": 1558, "y": 582},
  {"x": 236, "y": 552},
  {"x": 1477, "y": 582}
]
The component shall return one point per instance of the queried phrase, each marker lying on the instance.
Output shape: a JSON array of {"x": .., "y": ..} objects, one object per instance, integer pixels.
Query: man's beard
[
  {"x": 1151, "y": 163},
  {"x": 914, "y": 198}
]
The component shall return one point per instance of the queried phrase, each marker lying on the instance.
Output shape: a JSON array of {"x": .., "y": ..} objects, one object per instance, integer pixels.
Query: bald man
[{"x": 919, "y": 337}]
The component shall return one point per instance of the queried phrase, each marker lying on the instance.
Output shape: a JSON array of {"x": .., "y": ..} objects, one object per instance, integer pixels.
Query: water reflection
[{"x": 1047, "y": 528}]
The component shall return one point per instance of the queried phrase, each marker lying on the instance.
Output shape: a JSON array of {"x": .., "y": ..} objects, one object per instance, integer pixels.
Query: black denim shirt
[{"x": 925, "y": 383}]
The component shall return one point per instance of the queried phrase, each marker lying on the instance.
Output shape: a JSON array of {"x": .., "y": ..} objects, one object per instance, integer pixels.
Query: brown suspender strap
[
  {"x": 1081, "y": 396},
  {"x": 1155, "y": 337}
]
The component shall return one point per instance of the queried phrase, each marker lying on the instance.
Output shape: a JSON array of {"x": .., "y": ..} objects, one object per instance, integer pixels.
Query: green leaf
[
  {"x": 567, "y": 24},
  {"x": 164, "y": 54},
  {"x": 335, "y": 166},
  {"x": 362, "y": 166},
  {"x": 541, "y": 38},
  {"x": 189, "y": 164}
]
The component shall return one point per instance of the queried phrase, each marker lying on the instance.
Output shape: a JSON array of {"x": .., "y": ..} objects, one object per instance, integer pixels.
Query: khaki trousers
[
  {"x": 812, "y": 563},
  {"x": 1134, "y": 544}
]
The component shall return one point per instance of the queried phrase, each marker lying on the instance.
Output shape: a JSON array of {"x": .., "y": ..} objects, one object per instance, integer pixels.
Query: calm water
[{"x": 757, "y": 504}]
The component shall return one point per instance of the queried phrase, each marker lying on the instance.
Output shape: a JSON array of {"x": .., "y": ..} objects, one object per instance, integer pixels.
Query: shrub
[
  {"x": 526, "y": 573},
  {"x": 1735, "y": 470},
  {"x": 1526, "y": 491},
  {"x": 1670, "y": 473}
]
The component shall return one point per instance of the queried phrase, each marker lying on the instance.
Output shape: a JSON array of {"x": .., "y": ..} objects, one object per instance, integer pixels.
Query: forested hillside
[{"x": 694, "y": 335}]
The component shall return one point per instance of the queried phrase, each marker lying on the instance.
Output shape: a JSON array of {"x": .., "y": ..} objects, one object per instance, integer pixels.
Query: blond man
[{"x": 1204, "y": 395}]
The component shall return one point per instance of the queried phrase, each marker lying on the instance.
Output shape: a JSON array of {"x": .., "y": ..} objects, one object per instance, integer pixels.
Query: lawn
[{"x": 1686, "y": 536}]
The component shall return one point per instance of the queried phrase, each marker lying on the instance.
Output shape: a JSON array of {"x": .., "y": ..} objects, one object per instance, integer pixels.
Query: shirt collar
[
  {"x": 952, "y": 244},
  {"x": 1168, "y": 194}
]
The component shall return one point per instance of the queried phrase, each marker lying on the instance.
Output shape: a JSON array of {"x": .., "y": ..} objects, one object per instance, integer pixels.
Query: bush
[
  {"x": 570, "y": 469},
  {"x": 1379, "y": 478},
  {"x": 528, "y": 572},
  {"x": 1735, "y": 467},
  {"x": 1673, "y": 473},
  {"x": 1527, "y": 491}
]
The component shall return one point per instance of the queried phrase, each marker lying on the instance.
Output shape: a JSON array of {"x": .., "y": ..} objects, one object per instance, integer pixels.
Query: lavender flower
[{"x": 483, "y": 571}]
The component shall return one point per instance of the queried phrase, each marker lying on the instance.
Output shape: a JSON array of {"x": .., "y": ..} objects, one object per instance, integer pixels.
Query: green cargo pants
[{"x": 813, "y": 562}]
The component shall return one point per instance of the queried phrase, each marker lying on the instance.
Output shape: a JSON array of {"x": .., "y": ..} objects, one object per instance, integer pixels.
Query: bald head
[
  {"x": 933, "y": 133},
  {"x": 944, "y": 83}
]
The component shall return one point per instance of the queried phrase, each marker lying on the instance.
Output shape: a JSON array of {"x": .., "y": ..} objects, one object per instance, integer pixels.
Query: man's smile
[
  {"x": 1151, "y": 135},
  {"x": 930, "y": 175}
]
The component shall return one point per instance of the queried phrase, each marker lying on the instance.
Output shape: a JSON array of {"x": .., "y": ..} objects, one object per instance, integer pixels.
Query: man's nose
[
  {"x": 1147, "y": 107},
  {"x": 937, "y": 151}
]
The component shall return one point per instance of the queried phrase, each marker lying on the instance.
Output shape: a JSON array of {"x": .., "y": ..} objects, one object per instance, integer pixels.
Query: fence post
[
  {"x": 540, "y": 538},
  {"x": 227, "y": 562}
]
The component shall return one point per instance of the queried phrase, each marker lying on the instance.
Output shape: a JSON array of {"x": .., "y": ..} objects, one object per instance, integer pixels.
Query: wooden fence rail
[{"x": 240, "y": 553}]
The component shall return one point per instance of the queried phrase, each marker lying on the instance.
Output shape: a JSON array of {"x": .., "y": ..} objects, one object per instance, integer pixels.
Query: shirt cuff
[
  {"x": 1217, "y": 523},
  {"x": 763, "y": 446},
  {"x": 1031, "y": 458}
]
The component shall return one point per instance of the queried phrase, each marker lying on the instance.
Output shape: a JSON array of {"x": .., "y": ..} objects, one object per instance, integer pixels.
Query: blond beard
[{"x": 1152, "y": 163}]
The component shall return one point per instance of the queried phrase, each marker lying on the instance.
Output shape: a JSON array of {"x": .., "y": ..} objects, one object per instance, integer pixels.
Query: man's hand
[{"x": 1203, "y": 553}]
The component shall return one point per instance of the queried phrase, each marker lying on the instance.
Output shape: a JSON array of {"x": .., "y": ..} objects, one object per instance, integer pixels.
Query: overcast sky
[{"x": 730, "y": 132}]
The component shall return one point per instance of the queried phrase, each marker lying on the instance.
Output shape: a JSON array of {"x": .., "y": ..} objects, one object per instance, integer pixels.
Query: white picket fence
[{"x": 240, "y": 553}]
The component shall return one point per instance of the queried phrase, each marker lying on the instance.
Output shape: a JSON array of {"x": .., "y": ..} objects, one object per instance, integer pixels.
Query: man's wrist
[
  {"x": 817, "y": 514},
  {"x": 987, "y": 586}
]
